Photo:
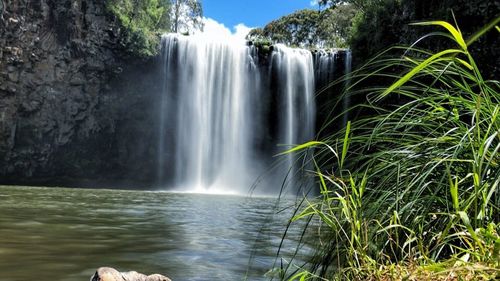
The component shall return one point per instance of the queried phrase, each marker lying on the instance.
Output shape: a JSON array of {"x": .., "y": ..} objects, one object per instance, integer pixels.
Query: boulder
[{"x": 111, "y": 274}]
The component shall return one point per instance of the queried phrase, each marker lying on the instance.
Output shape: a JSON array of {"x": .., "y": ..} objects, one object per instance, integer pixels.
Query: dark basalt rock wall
[{"x": 75, "y": 109}]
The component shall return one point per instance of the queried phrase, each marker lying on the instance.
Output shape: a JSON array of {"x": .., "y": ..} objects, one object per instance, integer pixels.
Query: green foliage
[
  {"x": 142, "y": 21},
  {"x": 187, "y": 16},
  {"x": 331, "y": 26},
  {"x": 310, "y": 28},
  {"x": 409, "y": 190},
  {"x": 297, "y": 29},
  {"x": 336, "y": 25},
  {"x": 360, "y": 4},
  {"x": 386, "y": 23}
]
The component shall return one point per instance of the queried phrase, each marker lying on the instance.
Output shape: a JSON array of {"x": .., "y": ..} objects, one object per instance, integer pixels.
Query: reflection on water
[{"x": 65, "y": 234}]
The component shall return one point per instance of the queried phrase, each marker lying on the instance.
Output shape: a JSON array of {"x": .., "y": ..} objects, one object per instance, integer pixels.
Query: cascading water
[
  {"x": 211, "y": 88},
  {"x": 328, "y": 66},
  {"x": 325, "y": 67},
  {"x": 225, "y": 108},
  {"x": 296, "y": 95}
]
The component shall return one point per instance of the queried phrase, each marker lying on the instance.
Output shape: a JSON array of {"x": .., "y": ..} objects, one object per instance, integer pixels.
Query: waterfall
[
  {"x": 328, "y": 66},
  {"x": 296, "y": 95},
  {"x": 225, "y": 108},
  {"x": 325, "y": 67},
  {"x": 210, "y": 87}
]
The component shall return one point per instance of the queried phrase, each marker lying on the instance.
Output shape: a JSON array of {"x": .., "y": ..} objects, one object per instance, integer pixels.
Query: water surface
[{"x": 62, "y": 234}]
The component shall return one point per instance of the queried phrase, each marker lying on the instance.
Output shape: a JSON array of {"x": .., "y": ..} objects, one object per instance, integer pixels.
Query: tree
[
  {"x": 141, "y": 14},
  {"x": 362, "y": 5},
  {"x": 330, "y": 27},
  {"x": 387, "y": 24},
  {"x": 186, "y": 15},
  {"x": 297, "y": 29},
  {"x": 141, "y": 21},
  {"x": 336, "y": 25}
]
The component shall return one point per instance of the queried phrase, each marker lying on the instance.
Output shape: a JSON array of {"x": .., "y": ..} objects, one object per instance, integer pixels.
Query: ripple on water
[{"x": 65, "y": 234}]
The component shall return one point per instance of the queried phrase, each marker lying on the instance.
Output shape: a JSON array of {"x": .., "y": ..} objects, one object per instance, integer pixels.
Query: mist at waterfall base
[{"x": 227, "y": 109}]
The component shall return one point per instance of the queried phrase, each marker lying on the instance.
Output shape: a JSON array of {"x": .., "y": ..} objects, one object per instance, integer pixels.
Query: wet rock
[
  {"x": 111, "y": 274},
  {"x": 106, "y": 274}
]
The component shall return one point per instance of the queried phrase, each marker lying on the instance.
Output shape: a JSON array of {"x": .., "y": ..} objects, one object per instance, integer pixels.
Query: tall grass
[{"x": 409, "y": 188}]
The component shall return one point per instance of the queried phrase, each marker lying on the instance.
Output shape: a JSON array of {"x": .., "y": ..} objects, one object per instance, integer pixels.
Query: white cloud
[
  {"x": 241, "y": 30},
  {"x": 212, "y": 27},
  {"x": 217, "y": 30},
  {"x": 313, "y": 2}
]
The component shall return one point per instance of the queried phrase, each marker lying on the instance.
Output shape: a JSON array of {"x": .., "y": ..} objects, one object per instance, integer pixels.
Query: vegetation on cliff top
[
  {"x": 332, "y": 25},
  {"x": 370, "y": 26},
  {"x": 143, "y": 21},
  {"x": 309, "y": 28}
]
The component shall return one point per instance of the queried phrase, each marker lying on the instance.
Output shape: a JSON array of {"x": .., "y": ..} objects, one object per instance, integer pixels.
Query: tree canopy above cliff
[
  {"x": 142, "y": 21},
  {"x": 310, "y": 28},
  {"x": 186, "y": 16},
  {"x": 370, "y": 26}
]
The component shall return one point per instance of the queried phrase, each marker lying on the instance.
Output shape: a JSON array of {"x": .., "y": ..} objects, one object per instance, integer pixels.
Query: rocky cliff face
[{"x": 67, "y": 101}]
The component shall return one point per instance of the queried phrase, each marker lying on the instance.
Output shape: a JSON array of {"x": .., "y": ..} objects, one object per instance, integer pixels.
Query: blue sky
[{"x": 251, "y": 13}]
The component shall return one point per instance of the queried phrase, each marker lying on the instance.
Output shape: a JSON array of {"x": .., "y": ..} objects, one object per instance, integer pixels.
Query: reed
[{"x": 409, "y": 188}]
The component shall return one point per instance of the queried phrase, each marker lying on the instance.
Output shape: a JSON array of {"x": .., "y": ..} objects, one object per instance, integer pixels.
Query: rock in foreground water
[{"x": 111, "y": 274}]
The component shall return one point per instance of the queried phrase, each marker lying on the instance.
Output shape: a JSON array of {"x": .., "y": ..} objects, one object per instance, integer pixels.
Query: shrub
[{"x": 142, "y": 22}]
